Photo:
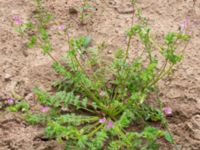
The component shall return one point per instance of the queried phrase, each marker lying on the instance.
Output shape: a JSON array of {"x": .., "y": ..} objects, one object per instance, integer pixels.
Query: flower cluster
[
  {"x": 109, "y": 123},
  {"x": 60, "y": 27}
]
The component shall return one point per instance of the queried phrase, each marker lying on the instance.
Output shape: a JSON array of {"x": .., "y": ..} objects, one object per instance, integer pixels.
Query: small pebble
[
  {"x": 7, "y": 77},
  {"x": 109, "y": 52}
]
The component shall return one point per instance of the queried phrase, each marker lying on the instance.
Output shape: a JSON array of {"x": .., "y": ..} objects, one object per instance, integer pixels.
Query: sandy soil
[{"x": 22, "y": 69}]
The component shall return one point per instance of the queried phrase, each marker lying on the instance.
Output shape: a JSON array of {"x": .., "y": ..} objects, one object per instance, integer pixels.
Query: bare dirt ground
[{"x": 21, "y": 69}]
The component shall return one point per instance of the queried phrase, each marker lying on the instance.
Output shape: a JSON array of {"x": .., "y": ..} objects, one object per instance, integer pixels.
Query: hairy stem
[
  {"x": 128, "y": 47},
  {"x": 94, "y": 131}
]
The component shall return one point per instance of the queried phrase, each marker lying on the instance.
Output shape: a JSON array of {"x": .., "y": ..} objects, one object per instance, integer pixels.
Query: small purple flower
[
  {"x": 45, "y": 109},
  {"x": 184, "y": 25},
  {"x": 61, "y": 27},
  {"x": 190, "y": 33},
  {"x": 103, "y": 120},
  {"x": 167, "y": 111},
  {"x": 18, "y": 20},
  {"x": 110, "y": 124},
  {"x": 10, "y": 101}
]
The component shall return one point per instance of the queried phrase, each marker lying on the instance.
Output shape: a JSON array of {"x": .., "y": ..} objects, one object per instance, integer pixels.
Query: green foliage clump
[
  {"x": 20, "y": 106},
  {"x": 83, "y": 10},
  {"x": 97, "y": 106}
]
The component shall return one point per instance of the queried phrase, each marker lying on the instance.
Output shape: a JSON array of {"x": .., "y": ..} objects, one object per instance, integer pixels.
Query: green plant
[
  {"x": 42, "y": 15},
  {"x": 96, "y": 106},
  {"x": 36, "y": 31},
  {"x": 19, "y": 106},
  {"x": 133, "y": 2},
  {"x": 85, "y": 6},
  {"x": 15, "y": 104}
]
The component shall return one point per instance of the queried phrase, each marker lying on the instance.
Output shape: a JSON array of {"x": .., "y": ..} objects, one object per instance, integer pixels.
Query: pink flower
[
  {"x": 18, "y": 20},
  {"x": 61, "y": 27},
  {"x": 103, "y": 120},
  {"x": 190, "y": 33},
  {"x": 10, "y": 101},
  {"x": 184, "y": 25},
  {"x": 110, "y": 124},
  {"x": 45, "y": 109},
  {"x": 167, "y": 111}
]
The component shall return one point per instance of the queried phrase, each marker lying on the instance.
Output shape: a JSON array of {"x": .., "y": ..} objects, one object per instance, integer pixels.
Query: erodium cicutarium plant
[{"x": 97, "y": 106}]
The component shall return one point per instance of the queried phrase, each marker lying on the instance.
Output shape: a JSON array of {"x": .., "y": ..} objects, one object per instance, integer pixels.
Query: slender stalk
[
  {"x": 156, "y": 45},
  {"x": 149, "y": 53},
  {"x": 94, "y": 131},
  {"x": 53, "y": 58},
  {"x": 162, "y": 75},
  {"x": 90, "y": 127},
  {"x": 89, "y": 110},
  {"x": 81, "y": 67},
  {"x": 162, "y": 70},
  {"x": 128, "y": 47}
]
